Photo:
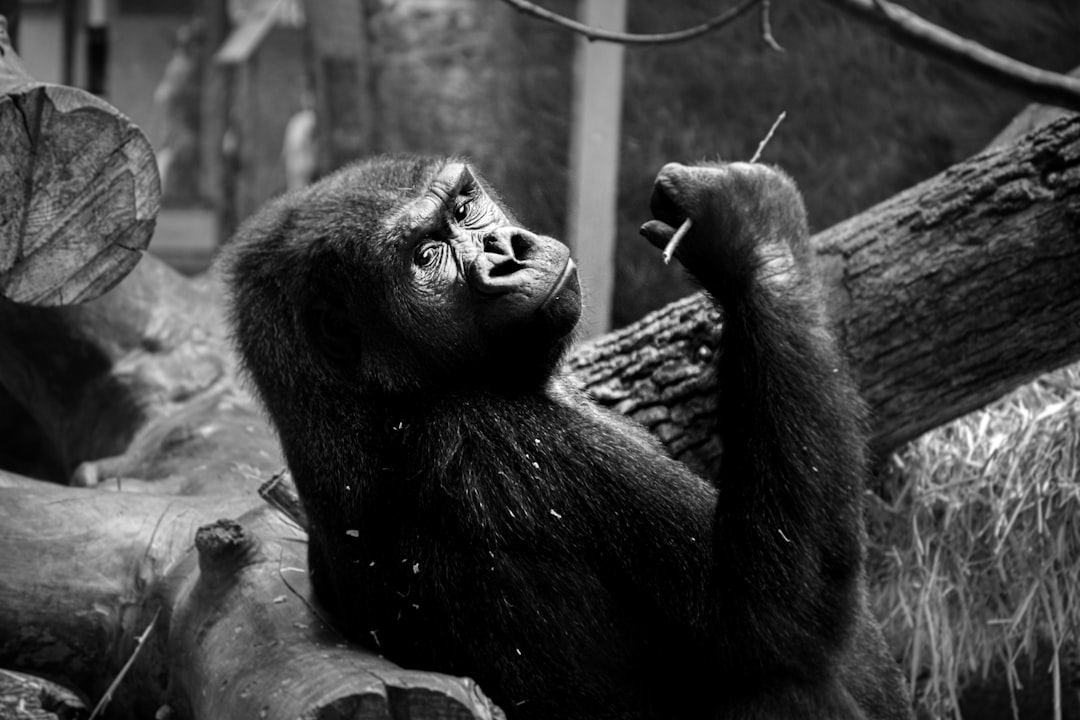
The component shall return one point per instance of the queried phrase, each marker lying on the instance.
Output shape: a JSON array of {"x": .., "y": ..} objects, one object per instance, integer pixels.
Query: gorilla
[{"x": 472, "y": 514}]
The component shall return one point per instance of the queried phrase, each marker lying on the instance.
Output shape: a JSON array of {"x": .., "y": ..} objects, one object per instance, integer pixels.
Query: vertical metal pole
[{"x": 594, "y": 160}]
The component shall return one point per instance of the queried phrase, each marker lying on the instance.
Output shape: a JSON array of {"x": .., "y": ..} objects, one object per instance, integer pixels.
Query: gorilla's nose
[
  {"x": 517, "y": 261},
  {"x": 509, "y": 249}
]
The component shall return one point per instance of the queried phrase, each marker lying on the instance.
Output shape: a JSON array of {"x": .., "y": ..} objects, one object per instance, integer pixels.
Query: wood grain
[{"x": 79, "y": 190}]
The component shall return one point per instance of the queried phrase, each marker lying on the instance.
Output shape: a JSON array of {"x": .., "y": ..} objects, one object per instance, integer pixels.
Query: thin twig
[
  {"x": 280, "y": 491},
  {"x": 673, "y": 243},
  {"x": 104, "y": 701},
  {"x": 766, "y": 28},
  {"x": 909, "y": 29},
  {"x": 768, "y": 137},
  {"x": 593, "y": 33}
]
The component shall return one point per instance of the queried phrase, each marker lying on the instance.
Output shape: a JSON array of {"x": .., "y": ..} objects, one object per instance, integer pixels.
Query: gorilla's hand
[{"x": 748, "y": 225}]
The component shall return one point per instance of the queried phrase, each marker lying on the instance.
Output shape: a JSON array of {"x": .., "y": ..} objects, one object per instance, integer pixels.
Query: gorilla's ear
[{"x": 330, "y": 330}]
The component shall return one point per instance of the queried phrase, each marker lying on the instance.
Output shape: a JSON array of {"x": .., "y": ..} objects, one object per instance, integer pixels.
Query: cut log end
[
  {"x": 79, "y": 192},
  {"x": 223, "y": 547}
]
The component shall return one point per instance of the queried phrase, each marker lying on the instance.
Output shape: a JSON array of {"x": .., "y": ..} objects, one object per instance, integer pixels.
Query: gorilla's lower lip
[{"x": 566, "y": 276}]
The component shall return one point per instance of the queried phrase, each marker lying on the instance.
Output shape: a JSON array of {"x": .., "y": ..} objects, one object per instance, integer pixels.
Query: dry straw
[{"x": 977, "y": 562}]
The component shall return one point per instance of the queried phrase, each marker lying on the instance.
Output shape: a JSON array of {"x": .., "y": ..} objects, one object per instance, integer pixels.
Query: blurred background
[{"x": 226, "y": 93}]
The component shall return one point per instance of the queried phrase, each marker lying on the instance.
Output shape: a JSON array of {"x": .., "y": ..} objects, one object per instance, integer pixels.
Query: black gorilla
[{"x": 470, "y": 514}]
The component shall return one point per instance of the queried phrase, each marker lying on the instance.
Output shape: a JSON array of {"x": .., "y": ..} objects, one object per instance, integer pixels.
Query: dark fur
[{"x": 514, "y": 533}]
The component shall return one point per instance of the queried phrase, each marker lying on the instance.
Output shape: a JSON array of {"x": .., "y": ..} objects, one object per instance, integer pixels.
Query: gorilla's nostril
[
  {"x": 511, "y": 243},
  {"x": 504, "y": 268},
  {"x": 521, "y": 245}
]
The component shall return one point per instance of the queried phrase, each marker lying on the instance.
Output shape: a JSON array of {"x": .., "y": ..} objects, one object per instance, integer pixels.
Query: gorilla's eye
[
  {"x": 462, "y": 211},
  {"x": 426, "y": 254}
]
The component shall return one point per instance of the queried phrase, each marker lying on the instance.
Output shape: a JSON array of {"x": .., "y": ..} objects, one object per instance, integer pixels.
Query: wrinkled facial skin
[{"x": 449, "y": 291}]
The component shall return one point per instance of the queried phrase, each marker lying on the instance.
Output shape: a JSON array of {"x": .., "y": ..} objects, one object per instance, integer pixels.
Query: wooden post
[
  {"x": 594, "y": 161},
  {"x": 216, "y": 99},
  {"x": 345, "y": 101}
]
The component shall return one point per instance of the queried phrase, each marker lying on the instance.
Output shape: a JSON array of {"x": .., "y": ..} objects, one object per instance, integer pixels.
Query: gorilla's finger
[{"x": 657, "y": 232}]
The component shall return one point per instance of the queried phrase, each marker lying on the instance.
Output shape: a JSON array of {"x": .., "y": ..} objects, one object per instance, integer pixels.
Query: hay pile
[{"x": 977, "y": 561}]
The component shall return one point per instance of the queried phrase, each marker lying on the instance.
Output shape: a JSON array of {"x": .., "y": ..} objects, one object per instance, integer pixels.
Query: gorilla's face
[{"x": 421, "y": 279}]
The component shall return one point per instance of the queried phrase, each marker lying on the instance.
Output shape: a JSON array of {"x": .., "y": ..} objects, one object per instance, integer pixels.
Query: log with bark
[{"x": 944, "y": 296}]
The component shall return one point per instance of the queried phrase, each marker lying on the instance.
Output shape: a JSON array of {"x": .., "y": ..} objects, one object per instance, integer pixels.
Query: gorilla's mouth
[
  {"x": 567, "y": 282},
  {"x": 560, "y": 309}
]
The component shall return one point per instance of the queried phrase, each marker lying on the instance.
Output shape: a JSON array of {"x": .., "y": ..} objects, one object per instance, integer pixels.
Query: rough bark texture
[
  {"x": 980, "y": 296},
  {"x": 658, "y": 371},
  {"x": 79, "y": 190},
  {"x": 945, "y": 297}
]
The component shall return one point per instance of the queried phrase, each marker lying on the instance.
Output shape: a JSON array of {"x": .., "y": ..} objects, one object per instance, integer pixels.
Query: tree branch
[
  {"x": 909, "y": 29},
  {"x": 632, "y": 38},
  {"x": 766, "y": 28},
  {"x": 894, "y": 21}
]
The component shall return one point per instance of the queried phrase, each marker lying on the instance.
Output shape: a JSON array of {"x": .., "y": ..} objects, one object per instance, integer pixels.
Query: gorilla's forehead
[{"x": 430, "y": 200}]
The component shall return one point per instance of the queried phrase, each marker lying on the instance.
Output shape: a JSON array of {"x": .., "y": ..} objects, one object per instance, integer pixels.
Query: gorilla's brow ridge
[{"x": 433, "y": 200}]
